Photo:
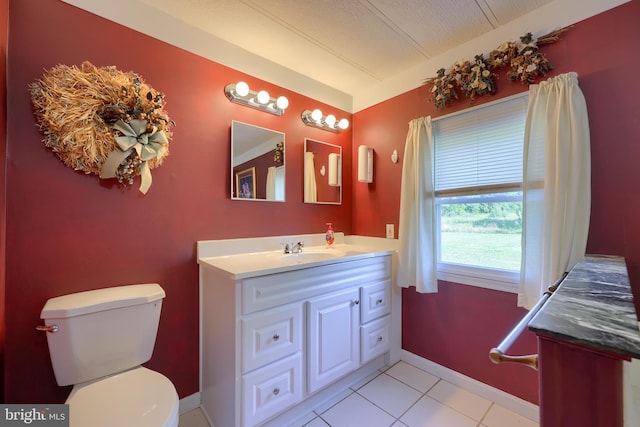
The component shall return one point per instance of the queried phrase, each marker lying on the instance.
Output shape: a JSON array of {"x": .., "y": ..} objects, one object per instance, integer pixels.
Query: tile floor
[{"x": 402, "y": 396}]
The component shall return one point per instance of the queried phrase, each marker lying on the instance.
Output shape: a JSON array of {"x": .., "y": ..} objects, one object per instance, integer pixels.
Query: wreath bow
[{"x": 147, "y": 145}]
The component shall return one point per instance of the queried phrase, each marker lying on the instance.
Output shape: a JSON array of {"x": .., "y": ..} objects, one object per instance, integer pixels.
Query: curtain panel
[
  {"x": 556, "y": 186},
  {"x": 310, "y": 188},
  {"x": 417, "y": 255}
]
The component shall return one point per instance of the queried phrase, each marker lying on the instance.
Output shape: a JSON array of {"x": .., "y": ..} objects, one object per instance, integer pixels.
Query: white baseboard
[
  {"x": 189, "y": 403},
  {"x": 502, "y": 398}
]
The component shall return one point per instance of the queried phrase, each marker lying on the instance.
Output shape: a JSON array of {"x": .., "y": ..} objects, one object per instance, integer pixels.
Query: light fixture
[
  {"x": 261, "y": 100},
  {"x": 329, "y": 122}
]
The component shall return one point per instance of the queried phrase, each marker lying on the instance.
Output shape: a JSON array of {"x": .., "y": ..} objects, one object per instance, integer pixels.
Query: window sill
[{"x": 497, "y": 280}]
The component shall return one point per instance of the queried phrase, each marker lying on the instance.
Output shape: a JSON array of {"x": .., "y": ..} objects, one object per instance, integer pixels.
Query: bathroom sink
[{"x": 311, "y": 255}]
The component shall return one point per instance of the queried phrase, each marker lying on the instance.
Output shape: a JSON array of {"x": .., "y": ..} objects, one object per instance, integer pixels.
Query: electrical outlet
[{"x": 391, "y": 234}]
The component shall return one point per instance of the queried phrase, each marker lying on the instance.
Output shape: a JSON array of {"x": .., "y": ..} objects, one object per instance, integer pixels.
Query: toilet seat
[{"x": 136, "y": 398}]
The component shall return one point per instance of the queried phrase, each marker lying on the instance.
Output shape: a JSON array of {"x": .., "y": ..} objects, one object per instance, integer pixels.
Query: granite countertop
[{"x": 593, "y": 307}]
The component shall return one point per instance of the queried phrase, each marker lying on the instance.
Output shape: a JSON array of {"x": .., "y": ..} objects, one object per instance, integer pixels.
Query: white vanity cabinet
[{"x": 269, "y": 342}]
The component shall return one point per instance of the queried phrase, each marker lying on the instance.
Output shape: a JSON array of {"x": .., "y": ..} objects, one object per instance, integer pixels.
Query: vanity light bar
[
  {"x": 328, "y": 122},
  {"x": 241, "y": 94}
]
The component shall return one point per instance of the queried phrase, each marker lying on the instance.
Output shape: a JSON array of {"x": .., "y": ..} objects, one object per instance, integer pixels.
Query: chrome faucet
[{"x": 293, "y": 249}]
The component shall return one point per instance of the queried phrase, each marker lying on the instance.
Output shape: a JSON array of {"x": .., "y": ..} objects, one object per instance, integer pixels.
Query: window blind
[{"x": 481, "y": 147}]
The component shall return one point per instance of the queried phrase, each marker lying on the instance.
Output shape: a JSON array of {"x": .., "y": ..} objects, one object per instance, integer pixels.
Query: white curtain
[
  {"x": 271, "y": 183},
  {"x": 416, "y": 229},
  {"x": 557, "y": 185},
  {"x": 279, "y": 183},
  {"x": 310, "y": 189}
]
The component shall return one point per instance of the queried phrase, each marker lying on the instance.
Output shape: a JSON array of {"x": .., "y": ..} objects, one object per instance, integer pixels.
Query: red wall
[
  {"x": 4, "y": 16},
  {"x": 459, "y": 325},
  {"x": 68, "y": 232}
]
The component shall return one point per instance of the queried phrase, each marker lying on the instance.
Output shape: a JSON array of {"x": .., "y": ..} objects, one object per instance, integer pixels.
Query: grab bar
[{"x": 497, "y": 354}]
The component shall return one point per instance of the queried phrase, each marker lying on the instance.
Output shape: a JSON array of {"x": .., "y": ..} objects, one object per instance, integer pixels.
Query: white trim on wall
[
  {"x": 189, "y": 403},
  {"x": 550, "y": 17},
  {"x": 513, "y": 403},
  {"x": 166, "y": 28},
  {"x": 554, "y": 15}
]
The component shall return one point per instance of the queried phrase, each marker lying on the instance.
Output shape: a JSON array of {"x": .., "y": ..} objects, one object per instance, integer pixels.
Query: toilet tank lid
[{"x": 101, "y": 299}]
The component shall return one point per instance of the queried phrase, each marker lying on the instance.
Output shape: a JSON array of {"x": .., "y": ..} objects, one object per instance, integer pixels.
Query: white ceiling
[
  {"x": 348, "y": 48},
  {"x": 346, "y": 44}
]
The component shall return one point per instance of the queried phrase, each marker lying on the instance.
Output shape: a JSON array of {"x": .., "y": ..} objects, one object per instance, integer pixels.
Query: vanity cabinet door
[{"x": 333, "y": 337}]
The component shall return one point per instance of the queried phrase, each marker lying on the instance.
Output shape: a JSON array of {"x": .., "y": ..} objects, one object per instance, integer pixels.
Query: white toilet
[{"x": 97, "y": 342}]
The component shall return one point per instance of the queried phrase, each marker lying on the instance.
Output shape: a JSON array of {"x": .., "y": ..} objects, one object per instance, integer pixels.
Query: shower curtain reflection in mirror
[
  {"x": 322, "y": 172},
  {"x": 310, "y": 187}
]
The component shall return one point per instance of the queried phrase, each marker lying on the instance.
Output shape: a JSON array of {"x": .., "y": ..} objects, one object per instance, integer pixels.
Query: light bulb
[
  {"x": 282, "y": 102},
  {"x": 343, "y": 124},
  {"x": 242, "y": 89},
  {"x": 263, "y": 97},
  {"x": 316, "y": 115},
  {"x": 330, "y": 120}
]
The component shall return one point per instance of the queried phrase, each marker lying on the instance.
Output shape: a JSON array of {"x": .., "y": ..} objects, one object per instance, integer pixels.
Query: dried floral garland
[
  {"x": 103, "y": 121},
  {"x": 478, "y": 77}
]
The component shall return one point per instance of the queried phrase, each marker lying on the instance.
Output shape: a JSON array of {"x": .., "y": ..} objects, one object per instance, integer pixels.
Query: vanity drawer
[
  {"x": 375, "y": 338},
  {"x": 269, "y": 390},
  {"x": 376, "y": 300},
  {"x": 270, "y": 335},
  {"x": 259, "y": 293}
]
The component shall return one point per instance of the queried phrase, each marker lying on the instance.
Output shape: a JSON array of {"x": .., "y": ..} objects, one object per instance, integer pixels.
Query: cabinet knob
[
  {"x": 356, "y": 302},
  {"x": 378, "y": 302},
  {"x": 276, "y": 391},
  {"x": 276, "y": 337},
  {"x": 380, "y": 339}
]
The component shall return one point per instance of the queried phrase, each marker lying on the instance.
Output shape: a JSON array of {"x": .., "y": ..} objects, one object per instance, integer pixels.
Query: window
[{"x": 478, "y": 181}]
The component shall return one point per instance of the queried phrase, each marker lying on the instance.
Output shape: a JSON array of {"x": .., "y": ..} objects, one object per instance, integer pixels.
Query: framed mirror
[
  {"x": 322, "y": 172},
  {"x": 257, "y": 163}
]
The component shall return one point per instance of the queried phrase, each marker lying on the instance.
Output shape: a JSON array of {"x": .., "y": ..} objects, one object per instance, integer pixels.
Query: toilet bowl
[{"x": 98, "y": 341}]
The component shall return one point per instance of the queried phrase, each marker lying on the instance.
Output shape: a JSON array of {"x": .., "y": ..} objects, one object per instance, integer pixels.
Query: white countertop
[{"x": 240, "y": 262}]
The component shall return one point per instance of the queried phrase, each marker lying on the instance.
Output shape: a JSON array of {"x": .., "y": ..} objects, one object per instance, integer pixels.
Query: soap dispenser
[{"x": 329, "y": 236}]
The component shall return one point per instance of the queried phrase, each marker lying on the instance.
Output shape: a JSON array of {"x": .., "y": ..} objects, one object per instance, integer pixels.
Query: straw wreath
[{"x": 102, "y": 121}]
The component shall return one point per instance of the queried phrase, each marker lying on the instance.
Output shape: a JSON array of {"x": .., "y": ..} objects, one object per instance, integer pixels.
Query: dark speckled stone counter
[{"x": 593, "y": 307}]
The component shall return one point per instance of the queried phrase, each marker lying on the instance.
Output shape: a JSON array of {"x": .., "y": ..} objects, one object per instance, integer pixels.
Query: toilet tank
[{"x": 102, "y": 332}]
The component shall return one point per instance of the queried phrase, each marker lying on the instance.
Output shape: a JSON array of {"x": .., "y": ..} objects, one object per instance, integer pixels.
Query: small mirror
[
  {"x": 322, "y": 172},
  {"x": 257, "y": 163}
]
